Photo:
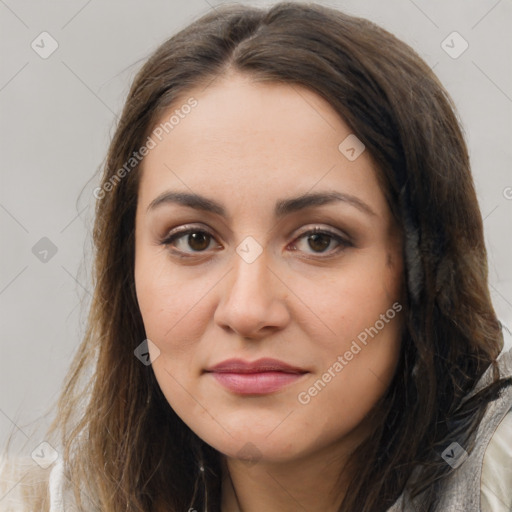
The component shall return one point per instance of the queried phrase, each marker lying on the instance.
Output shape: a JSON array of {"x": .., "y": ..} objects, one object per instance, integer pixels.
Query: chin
[{"x": 256, "y": 447}]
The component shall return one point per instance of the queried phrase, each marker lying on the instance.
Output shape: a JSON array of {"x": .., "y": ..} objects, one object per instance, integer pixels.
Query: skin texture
[{"x": 248, "y": 145}]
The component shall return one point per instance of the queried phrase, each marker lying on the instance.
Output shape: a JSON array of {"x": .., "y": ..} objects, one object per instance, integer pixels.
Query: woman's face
[{"x": 256, "y": 164}]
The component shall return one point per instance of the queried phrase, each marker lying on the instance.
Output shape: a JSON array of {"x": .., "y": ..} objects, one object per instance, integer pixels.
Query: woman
[{"x": 237, "y": 362}]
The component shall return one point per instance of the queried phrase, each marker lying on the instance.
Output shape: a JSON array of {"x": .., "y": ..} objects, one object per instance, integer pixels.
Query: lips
[
  {"x": 261, "y": 365},
  {"x": 255, "y": 378}
]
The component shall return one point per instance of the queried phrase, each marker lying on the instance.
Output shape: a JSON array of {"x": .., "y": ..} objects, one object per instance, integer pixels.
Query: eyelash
[{"x": 343, "y": 243}]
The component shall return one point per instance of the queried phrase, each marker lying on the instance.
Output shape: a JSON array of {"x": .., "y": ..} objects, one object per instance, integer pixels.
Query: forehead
[{"x": 261, "y": 139}]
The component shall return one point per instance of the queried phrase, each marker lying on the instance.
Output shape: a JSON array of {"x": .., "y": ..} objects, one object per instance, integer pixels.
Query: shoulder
[
  {"x": 482, "y": 482},
  {"x": 496, "y": 481},
  {"x": 21, "y": 479},
  {"x": 25, "y": 486},
  {"x": 496, "y": 476}
]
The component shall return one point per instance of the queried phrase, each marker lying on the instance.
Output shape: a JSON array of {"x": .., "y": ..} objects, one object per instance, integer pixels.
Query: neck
[{"x": 316, "y": 482}]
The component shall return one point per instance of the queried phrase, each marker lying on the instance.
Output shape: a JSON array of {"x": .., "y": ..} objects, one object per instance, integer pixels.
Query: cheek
[
  {"x": 358, "y": 361},
  {"x": 176, "y": 313},
  {"x": 170, "y": 312},
  {"x": 165, "y": 303},
  {"x": 356, "y": 298},
  {"x": 356, "y": 369}
]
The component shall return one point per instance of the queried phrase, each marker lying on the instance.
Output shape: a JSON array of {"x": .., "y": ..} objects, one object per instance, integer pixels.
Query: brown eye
[
  {"x": 199, "y": 240},
  {"x": 319, "y": 241},
  {"x": 189, "y": 241}
]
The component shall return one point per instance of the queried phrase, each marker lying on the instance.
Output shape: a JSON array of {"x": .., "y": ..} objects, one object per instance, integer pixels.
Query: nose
[{"x": 253, "y": 300}]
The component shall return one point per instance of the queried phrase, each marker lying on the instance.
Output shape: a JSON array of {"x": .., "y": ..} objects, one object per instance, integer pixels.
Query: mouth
[{"x": 257, "y": 378}]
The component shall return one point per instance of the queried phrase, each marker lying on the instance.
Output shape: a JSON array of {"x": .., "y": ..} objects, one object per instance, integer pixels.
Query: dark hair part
[{"x": 396, "y": 106}]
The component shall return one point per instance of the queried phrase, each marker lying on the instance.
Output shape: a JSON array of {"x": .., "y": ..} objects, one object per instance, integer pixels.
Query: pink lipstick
[{"x": 263, "y": 376}]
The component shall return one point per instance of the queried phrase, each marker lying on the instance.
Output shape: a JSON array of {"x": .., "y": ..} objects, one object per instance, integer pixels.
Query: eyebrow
[{"x": 282, "y": 208}]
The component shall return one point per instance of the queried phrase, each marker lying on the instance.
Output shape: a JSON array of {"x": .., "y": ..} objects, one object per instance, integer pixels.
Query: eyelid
[
  {"x": 318, "y": 228},
  {"x": 184, "y": 229}
]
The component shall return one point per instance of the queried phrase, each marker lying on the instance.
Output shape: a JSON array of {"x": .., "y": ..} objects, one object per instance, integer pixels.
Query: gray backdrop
[{"x": 58, "y": 109}]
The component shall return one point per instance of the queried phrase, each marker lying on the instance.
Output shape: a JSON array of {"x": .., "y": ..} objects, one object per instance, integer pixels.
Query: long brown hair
[{"x": 125, "y": 448}]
